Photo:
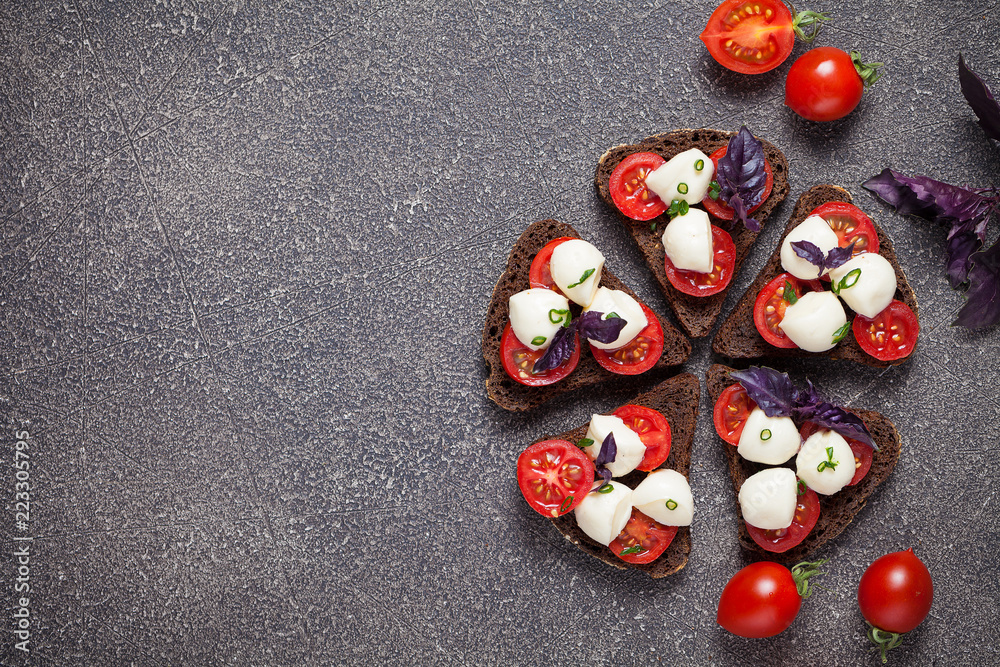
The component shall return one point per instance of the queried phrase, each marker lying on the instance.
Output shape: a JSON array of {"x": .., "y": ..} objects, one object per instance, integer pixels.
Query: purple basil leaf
[
  {"x": 980, "y": 99},
  {"x": 933, "y": 200},
  {"x": 609, "y": 451},
  {"x": 592, "y": 327},
  {"x": 983, "y": 307},
  {"x": 808, "y": 396},
  {"x": 839, "y": 256},
  {"x": 960, "y": 249},
  {"x": 835, "y": 418},
  {"x": 605, "y": 475},
  {"x": 810, "y": 252},
  {"x": 741, "y": 176},
  {"x": 559, "y": 351},
  {"x": 773, "y": 392}
]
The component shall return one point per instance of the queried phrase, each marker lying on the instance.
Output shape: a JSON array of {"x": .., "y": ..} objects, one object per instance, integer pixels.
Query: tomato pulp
[
  {"x": 750, "y": 36},
  {"x": 519, "y": 360},
  {"x": 769, "y": 308},
  {"x": 643, "y": 540},
  {"x": 637, "y": 356},
  {"x": 554, "y": 476},
  {"x": 628, "y": 186},
  {"x": 540, "y": 273},
  {"x": 783, "y": 539},
  {"x": 731, "y": 412},
  {"x": 890, "y": 335},
  {"x": 851, "y": 225}
]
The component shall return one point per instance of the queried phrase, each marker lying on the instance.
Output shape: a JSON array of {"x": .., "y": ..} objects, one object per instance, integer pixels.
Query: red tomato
[
  {"x": 731, "y": 412},
  {"x": 761, "y": 600},
  {"x": 628, "y": 186},
  {"x": 706, "y": 284},
  {"x": 823, "y": 84},
  {"x": 654, "y": 431},
  {"x": 640, "y": 354},
  {"x": 643, "y": 540},
  {"x": 719, "y": 208},
  {"x": 781, "y": 540},
  {"x": 518, "y": 360},
  {"x": 750, "y": 36},
  {"x": 769, "y": 308},
  {"x": 554, "y": 476},
  {"x": 890, "y": 335},
  {"x": 895, "y": 592},
  {"x": 851, "y": 225},
  {"x": 862, "y": 453},
  {"x": 540, "y": 274}
]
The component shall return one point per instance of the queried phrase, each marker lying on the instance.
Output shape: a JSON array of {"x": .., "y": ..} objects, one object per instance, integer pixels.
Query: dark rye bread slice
[
  {"x": 517, "y": 397},
  {"x": 738, "y": 338},
  {"x": 837, "y": 510},
  {"x": 677, "y": 400},
  {"x": 696, "y": 315}
]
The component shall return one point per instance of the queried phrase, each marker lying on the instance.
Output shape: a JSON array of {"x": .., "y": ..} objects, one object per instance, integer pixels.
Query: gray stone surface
[{"x": 245, "y": 254}]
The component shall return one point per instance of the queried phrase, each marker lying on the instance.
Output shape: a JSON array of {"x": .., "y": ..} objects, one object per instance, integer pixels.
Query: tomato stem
[
  {"x": 869, "y": 72},
  {"x": 884, "y": 641},
  {"x": 802, "y": 572},
  {"x": 807, "y": 19}
]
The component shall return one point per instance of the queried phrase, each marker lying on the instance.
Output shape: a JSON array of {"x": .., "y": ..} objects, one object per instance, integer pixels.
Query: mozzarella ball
[
  {"x": 570, "y": 261},
  {"x": 817, "y": 231},
  {"x": 687, "y": 241},
  {"x": 768, "y": 498},
  {"x": 770, "y": 440},
  {"x": 680, "y": 177},
  {"x": 609, "y": 301},
  {"x": 665, "y": 496},
  {"x": 602, "y": 516},
  {"x": 813, "y": 321},
  {"x": 531, "y": 315},
  {"x": 630, "y": 447},
  {"x": 871, "y": 289},
  {"x": 814, "y": 455}
]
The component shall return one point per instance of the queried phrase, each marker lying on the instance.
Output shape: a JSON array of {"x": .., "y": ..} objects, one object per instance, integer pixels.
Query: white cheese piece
[
  {"x": 813, "y": 321},
  {"x": 770, "y": 440},
  {"x": 813, "y": 455},
  {"x": 609, "y": 301},
  {"x": 570, "y": 261},
  {"x": 687, "y": 241},
  {"x": 602, "y": 516},
  {"x": 531, "y": 315},
  {"x": 665, "y": 496},
  {"x": 681, "y": 178},
  {"x": 630, "y": 447},
  {"x": 768, "y": 498},
  {"x": 817, "y": 231},
  {"x": 872, "y": 289}
]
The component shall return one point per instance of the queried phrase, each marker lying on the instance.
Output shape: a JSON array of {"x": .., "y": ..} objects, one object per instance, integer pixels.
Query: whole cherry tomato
[
  {"x": 763, "y": 599},
  {"x": 895, "y": 595},
  {"x": 826, "y": 83}
]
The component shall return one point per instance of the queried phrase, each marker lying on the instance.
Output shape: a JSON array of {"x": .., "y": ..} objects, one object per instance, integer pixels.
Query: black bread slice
[
  {"x": 677, "y": 400},
  {"x": 837, "y": 510},
  {"x": 738, "y": 338},
  {"x": 696, "y": 315},
  {"x": 517, "y": 397}
]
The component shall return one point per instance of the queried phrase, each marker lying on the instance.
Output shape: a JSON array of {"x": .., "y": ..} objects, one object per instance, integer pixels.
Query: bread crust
[
  {"x": 696, "y": 315},
  {"x": 511, "y": 395},
  {"x": 837, "y": 510}
]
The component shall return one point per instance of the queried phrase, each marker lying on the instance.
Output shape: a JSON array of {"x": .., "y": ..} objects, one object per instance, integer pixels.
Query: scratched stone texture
[{"x": 246, "y": 251}]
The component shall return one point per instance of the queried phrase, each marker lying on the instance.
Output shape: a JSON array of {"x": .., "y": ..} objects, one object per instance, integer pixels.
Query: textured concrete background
[{"x": 246, "y": 253}]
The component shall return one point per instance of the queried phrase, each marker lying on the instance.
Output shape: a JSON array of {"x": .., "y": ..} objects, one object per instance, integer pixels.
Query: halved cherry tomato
[
  {"x": 643, "y": 540},
  {"x": 719, "y": 208},
  {"x": 769, "y": 308},
  {"x": 750, "y": 36},
  {"x": 654, "y": 431},
  {"x": 518, "y": 360},
  {"x": 554, "y": 476},
  {"x": 706, "y": 284},
  {"x": 783, "y": 539},
  {"x": 540, "y": 274},
  {"x": 628, "y": 187},
  {"x": 731, "y": 412},
  {"x": 890, "y": 335},
  {"x": 640, "y": 354},
  {"x": 851, "y": 225},
  {"x": 862, "y": 453}
]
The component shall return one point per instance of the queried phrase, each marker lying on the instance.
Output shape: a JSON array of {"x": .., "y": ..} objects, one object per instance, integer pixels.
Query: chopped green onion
[
  {"x": 848, "y": 281},
  {"x": 565, "y": 504},
  {"x": 612, "y": 314},
  {"x": 789, "y": 294},
  {"x": 678, "y": 207},
  {"x": 557, "y": 316},
  {"x": 699, "y": 165},
  {"x": 583, "y": 278},
  {"x": 607, "y": 488},
  {"x": 765, "y": 434},
  {"x": 682, "y": 188},
  {"x": 631, "y": 550},
  {"x": 840, "y": 333},
  {"x": 800, "y": 488},
  {"x": 671, "y": 504},
  {"x": 714, "y": 190},
  {"x": 829, "y": 463},
  {"x": 584, "y": 443},
  {"x": 652, "y": 226},
  {"x": 538, "y": 340}
]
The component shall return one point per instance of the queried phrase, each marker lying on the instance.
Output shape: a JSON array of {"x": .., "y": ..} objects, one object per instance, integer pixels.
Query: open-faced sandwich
[
  {"x": 559, "y": 320},
  {"x": 802, "y": 468},
  {"x": 832, "y": 287},
  {"x": 617, "y": 487},
  {"x": 694, "y": 202}
]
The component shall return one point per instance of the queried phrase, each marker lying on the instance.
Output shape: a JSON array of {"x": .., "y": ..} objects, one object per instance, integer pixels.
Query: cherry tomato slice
[
  {"x": 890, "y": 335},
  {"x": 750, "y": 36},
  {"x": 731, "y": 412},
  {"x": 851, "y": 225},
  {"x": 628, "y": 186},
  {"x": 769, "y": 308},
  {"x": 643, "y": 540},
  {"x": 518, "y": 361},
  {"x": 654, "y": 431},
  {"x": 719, "y": 208},
  {"x": 540, "y": 273},
  {"x": 783, "y": 539},
  {"x": 640, "y": 354},
  {"x": 554, "y": 476},
  {"x": 862, "y": 453},
  {"x": 706, "y": 284}
]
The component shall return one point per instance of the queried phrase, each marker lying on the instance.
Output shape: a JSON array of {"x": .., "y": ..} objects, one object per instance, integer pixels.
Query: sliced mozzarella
[
  {"x": 630, "y": 447},
  {"x": 871, "y": 289},
  {"x": 817, "y": 231},
  {"x": 814, "y": 455},
  {"x": 681, "y": 178},
  {"x": 687, "y": 241},
  {"x": 570, "y": 261},
  {"x": 609, "y": 301},
  {"x": 813, "y": 321},
  {"x": 602, "y": 516},
  {"x": 770, "y": 440},
  {"x": 665, "y": 496},
  {"x": 768, "y": 498},
  {"x": 532, "y": 313}
]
